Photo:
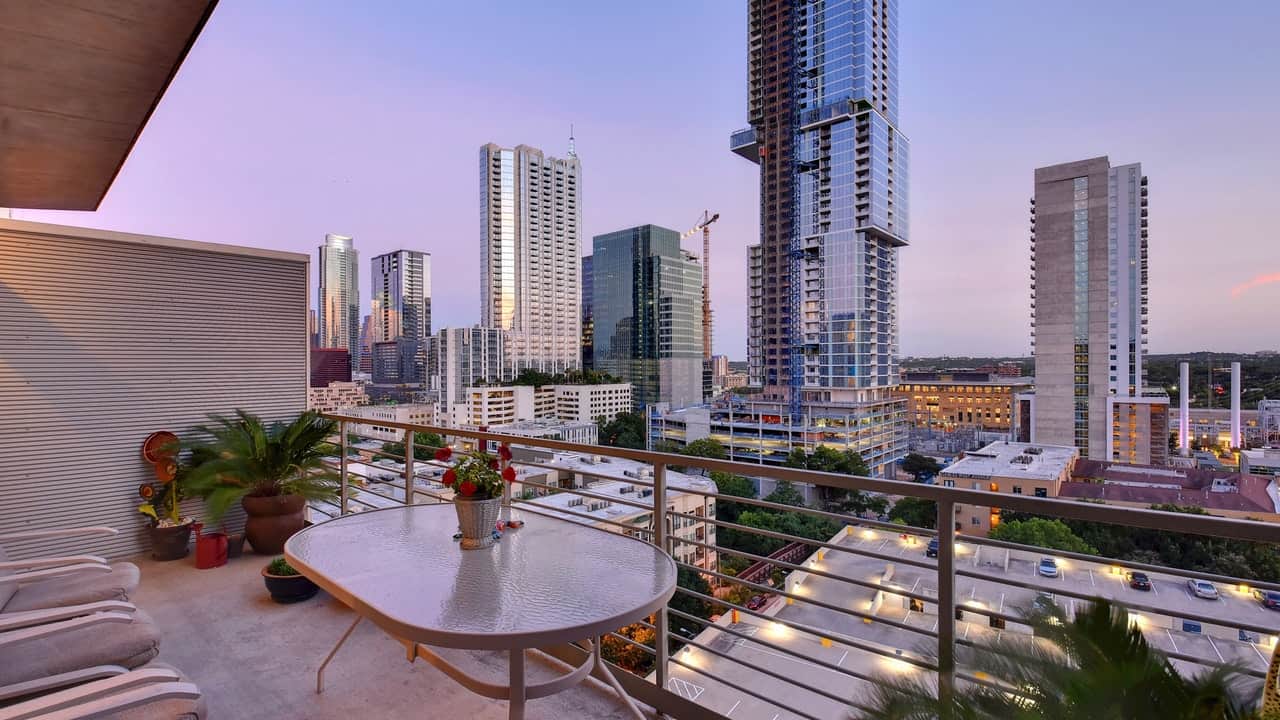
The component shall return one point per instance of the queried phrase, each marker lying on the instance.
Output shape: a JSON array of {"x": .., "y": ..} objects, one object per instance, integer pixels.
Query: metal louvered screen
[{"x": 106, "y": 337}]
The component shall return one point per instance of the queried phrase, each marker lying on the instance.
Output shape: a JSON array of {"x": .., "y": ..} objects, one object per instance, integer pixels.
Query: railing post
[
  {"x": 946, "y": 606},
  {"x": 660, "y": 620},
  {"x": 342, "y": 501},
  {"x": 408, "y": 467}
]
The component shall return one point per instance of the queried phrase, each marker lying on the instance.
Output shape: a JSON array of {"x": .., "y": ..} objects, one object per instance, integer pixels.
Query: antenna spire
[{"x": 573, "y": 152}]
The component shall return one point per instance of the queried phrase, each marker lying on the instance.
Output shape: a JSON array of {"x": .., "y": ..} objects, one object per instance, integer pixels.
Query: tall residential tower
[
  {"x": 530, "y": 249},
  {"x": 400, "y": 283},
  {"x": 338, "y": 299},
  {"x": 1089, "y": 313},
  {"x": 823, "y": 108}
]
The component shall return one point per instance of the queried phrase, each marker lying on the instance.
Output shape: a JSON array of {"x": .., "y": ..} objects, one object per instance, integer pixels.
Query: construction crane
[{"x": 704, "y": 224}]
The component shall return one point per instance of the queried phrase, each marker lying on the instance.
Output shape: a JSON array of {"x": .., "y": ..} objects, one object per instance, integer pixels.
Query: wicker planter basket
[{"x": 477, "y": 519}]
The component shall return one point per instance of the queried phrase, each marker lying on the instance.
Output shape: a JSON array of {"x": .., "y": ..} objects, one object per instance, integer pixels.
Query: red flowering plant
[{"x": 477, "y": 475}]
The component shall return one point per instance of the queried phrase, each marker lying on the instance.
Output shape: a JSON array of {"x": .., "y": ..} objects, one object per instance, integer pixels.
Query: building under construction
[{"x": 823, "y": 113}]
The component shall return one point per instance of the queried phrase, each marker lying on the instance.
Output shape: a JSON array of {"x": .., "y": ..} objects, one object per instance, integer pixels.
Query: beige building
[
  {"x": 1140, "y": 430},
  {"x": 587, "y": 403},
  {"x": 958, "y": 400},
  {"x": 337, "y": 396},
  {"x": 503, "y": 405},
  {"x": 1007, "y": 467},
  {"x": 609, "y": 477},
  {"x": 415, "y": 413}
]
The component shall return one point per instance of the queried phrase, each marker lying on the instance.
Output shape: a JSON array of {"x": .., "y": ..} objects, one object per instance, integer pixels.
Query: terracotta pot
[
  {"x": 272, "y": 520},
  {"x": 288, "y": 588},
  {"x": 170, "y": 543}
]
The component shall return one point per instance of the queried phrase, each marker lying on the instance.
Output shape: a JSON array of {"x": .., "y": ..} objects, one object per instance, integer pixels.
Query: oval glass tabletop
[{"x": 551, "y": 581}]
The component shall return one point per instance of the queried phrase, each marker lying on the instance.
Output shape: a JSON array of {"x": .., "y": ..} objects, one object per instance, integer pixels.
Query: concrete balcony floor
[{"x": 254, "y": 658}]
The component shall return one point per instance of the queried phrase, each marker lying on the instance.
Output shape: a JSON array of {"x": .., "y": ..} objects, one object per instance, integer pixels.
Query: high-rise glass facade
[
  {"x": 530, "y": 248},
  {"x": 400, "y": 282},
  {"x": 588, "y": 322},
  {"x": 338, "y": 298},
  {"x": 647, "y": 314},
  {"x": 823, "y": 108}
]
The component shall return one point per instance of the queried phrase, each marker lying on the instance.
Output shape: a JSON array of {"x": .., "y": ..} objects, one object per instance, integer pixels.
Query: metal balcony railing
[{"x": 785, "y": 654}]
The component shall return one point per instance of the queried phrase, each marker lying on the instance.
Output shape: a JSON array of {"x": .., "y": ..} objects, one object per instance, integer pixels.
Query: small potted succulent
[
  {"x": 285, "y": 583},
  {"x": 479, "y": 481}
]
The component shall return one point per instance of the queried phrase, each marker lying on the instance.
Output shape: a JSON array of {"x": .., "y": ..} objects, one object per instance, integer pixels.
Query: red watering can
[{"x": 211, "y": 548}]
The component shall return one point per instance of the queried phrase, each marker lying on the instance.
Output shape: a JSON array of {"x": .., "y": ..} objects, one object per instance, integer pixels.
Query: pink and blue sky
[{"x": 293, "y": 119}]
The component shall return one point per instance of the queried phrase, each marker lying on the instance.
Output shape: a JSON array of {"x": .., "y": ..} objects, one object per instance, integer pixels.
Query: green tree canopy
[
  {"x": 847, "y": 462},
  {"x": 424, "y": 446},
  {"x": 1041, "y": 532},
  {"x": 705, "y": 448},
  {"x": 627, "y": 430},
  {"x": 569, "y": 377},
  {"x": 915, "y": 511},
  {"x": 920, "y": 466}
]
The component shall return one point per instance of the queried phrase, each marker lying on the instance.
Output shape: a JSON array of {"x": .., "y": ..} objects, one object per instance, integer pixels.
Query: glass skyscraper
[
  {"x": 338, "y": 297},
  {"x": 647, "y": 314},
  {"x": 400, "y": 282},
  {"x": 823, "y": 108}
]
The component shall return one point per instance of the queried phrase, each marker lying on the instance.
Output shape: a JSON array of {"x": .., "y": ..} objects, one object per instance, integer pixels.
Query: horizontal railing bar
[
  {"x": 756, "y": 639},
  {"x": 804, "y": 568},
  {"x": 1210, "y": 525},
  {"x": 740, "y": 688},
  {"x": 793, "y": 538},
  {"x": 590, "y": 474},
  {"x": 548, "y": 512},
  {"x": 1125, "y": 564},
  {"x": 845, "y": 639},
  {"x": 629, "y": 641},
  {"x": 587, "y": 493},
  {"x": 804, "y": 509},
  {"x": 764, "y": 671}
]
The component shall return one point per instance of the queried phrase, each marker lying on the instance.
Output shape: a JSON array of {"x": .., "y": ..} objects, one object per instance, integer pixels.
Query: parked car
[
  {"x": 932, "y": 549},
  {"x": 1269, "y": 598},
  {"x": 1048, "y": 567},
  {"x": 1138, "y": 581},
  {"x": 1203, "y": 589},
  {"x": 756, "y": 602}
]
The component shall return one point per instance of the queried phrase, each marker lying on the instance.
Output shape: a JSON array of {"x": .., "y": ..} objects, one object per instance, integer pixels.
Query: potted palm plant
[{"x": 272, "y": 471}]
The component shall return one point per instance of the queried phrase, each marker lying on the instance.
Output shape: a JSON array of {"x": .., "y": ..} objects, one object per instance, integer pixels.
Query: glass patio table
[{"x": 550, "y": 582}]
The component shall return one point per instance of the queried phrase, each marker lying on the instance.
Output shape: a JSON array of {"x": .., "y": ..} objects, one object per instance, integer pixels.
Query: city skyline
[{"x": 648, "y": 162}]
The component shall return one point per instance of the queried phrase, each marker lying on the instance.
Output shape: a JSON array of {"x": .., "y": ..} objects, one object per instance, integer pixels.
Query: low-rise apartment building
[
  {"x": 625, "y": 506},
  {"x": 961, "y": 400},
  {"x": 336, "y": 396},
  {"x": 586, "y": 433},
  {"x": 1007, "y": 467},
  {"x": 415, "y": 413},
  {"x": 588, "y": 403}
]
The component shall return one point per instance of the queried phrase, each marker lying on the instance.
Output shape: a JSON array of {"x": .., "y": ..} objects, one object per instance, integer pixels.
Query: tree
[
  {"x": 915, "y": 511},
  {"x": 1103, "y": 669},
  {"x": 705, "y": 448},
  {"x": 628, "y": 656},
  {"x": 730, "y": 485},
  {"x": 569, "y": 377},
  {"x": 1041, "y": 532},
  {"x": 627, "y": 430},
  {"x": 690, "y": 580},
  {"x": 785, "y": 493},
  {"x": 848, "y": 462},
  {"x": 920, "y": 467},
  {"x": 424, "y": 446}
]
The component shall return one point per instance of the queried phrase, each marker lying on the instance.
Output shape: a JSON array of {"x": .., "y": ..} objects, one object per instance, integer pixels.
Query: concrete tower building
[
  {"x": 1089, "y": 313},
  {"x": 823, "y": 113},
  {"x": 338, "y": 299},
  {"x": 530, "y": 254}
]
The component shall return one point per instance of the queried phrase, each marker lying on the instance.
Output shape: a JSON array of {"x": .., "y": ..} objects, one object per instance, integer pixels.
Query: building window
[
  {"x": 973, "y": 520},
  {"x": 1017, "y": 489},
  {"x": 1042, "y": 492}
]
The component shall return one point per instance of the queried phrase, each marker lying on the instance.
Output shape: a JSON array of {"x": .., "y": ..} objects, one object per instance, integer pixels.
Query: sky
[{"x": 292, "y": 119}]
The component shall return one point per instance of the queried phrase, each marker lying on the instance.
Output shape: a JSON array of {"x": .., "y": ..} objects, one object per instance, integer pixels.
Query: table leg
[
  {"x": 516, "y": 703},
  {"x": 334, "y": 651},
  {"x": 601, "y": 671}
]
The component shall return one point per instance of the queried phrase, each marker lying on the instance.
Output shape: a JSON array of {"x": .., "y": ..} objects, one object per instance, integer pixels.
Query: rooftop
[
  {"x": 1013, "y": 459},
  {"x": 1148, "y": 484}
]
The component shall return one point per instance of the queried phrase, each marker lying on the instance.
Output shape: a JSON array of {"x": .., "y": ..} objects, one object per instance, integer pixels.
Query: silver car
[{"x": 1203, "y": 589}]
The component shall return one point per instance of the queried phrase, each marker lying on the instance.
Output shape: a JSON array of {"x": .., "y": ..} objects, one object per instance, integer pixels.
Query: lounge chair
[
  {"x": 153, "y": 692},
  {"x": 47, "y": 649},
  {"x": 48, "y": 582}
]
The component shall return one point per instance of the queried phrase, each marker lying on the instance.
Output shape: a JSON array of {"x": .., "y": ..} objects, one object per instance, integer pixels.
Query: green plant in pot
[
  {"x": 170, "y": 532},
  {"x": 285, "y": 583},
  {"x": 272, "y": 471}
]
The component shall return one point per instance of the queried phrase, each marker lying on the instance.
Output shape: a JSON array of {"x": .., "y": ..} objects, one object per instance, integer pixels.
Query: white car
[
  {"x": 1048, "y": 567},
  {"x": 1202, "y": 589}
]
